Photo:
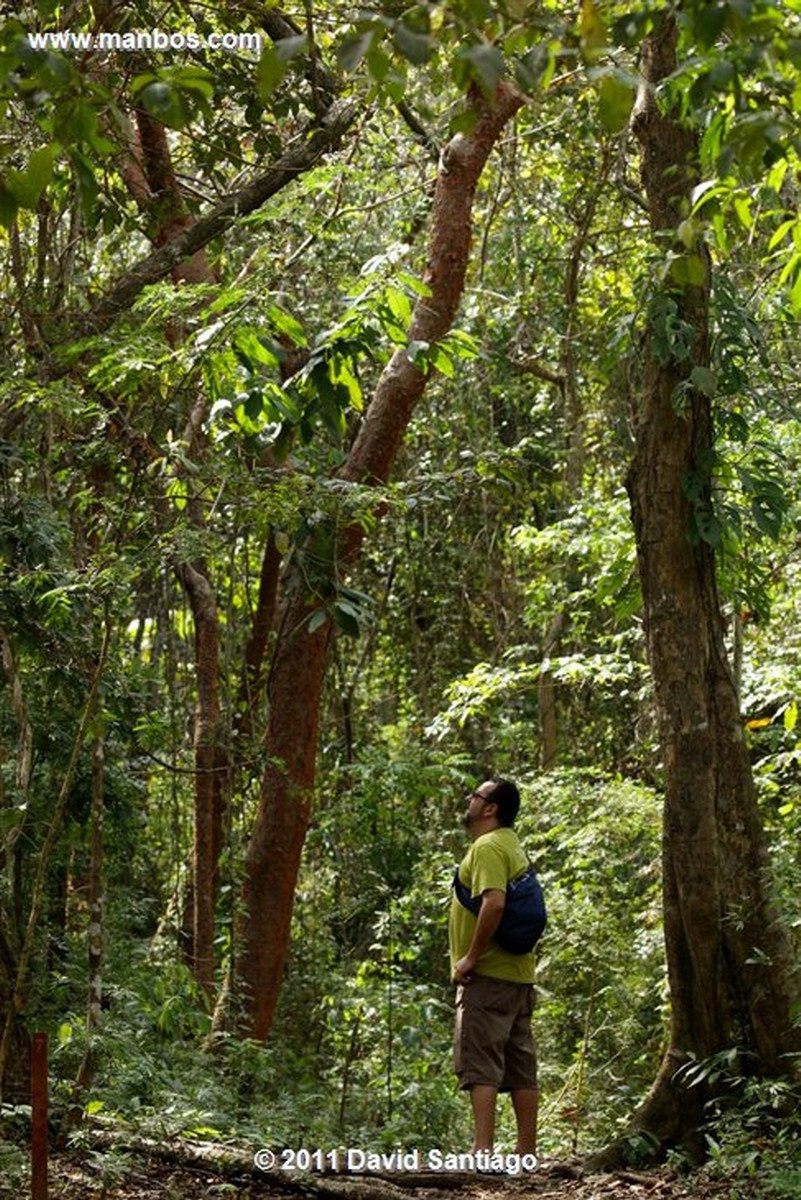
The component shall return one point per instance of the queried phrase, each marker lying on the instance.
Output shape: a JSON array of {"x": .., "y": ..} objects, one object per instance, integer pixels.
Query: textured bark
[
  {"x": 150, "y": 178},
  {"x": 298, "y": 667},
  {"x": 731, "y": 971}
]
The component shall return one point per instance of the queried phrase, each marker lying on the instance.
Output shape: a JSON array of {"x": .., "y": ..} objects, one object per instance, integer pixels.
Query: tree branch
[{"x": 155, "y": 266}]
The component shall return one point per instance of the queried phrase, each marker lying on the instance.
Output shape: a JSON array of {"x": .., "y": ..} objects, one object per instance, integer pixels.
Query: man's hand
[
  {"x": 463, "y": 969},
  {"x": 493, "y": 902}
]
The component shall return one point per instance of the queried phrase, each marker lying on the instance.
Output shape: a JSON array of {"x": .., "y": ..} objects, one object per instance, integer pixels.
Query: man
[{"x": 493, "y": 1043}]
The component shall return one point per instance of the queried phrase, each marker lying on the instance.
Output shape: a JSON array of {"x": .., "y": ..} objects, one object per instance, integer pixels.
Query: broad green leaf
[
  {"x": 285, "y": 323},
  {"x": 352, "y": 50},
  {"x": 269, "y": 73},
  {"x": 616, "y": 100},
  {"x": 704, "y": 380},
  {"x": 163, "y": 101},
  {"x": 418, "y": 286},
  {"x": 340, "y": 373},
  {"x": 592, "y": 30},
  {"x": 251, "y": 350},
  {"x": 781, "y": 233},
  {"x": 318, "y": 618},
  {"x": 29, "y": 184},
  {"x": 399, "y": 304},
  {"x": 442, "y": 362},
  {"x": 487, "y": 63},
  {"x": 416, "y": 47},
  {"x": 742, "y": 207}
]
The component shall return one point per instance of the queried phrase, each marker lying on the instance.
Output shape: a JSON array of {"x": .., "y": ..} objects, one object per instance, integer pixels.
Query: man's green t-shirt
[{"x": 492, "y": 860}]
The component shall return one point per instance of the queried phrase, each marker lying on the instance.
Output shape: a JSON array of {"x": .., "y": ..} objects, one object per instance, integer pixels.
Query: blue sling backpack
[{"x": 524, "y": 916}]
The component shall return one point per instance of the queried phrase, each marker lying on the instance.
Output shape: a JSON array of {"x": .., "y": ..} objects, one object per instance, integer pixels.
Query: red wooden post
[{"x": 39, "y": 1116}]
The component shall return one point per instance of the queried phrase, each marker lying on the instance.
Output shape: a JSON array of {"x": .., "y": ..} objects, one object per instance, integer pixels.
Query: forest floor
[{"x": 100, "y": 1176}]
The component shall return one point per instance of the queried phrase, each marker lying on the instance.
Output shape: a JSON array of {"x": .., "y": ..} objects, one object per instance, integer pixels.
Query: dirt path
[{"x": 124, "y": 1176}]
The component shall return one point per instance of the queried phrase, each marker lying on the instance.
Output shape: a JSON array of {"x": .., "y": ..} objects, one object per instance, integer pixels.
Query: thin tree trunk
[
  {"x": 274, "y": 852},
  {"x": 209, "y": 770},
  {"x": 94, "y": 1002},
  {"x": 16, "y": 1001},
  {"x": 731, "y": 971},
  {"x": 14, "y": 1070}
]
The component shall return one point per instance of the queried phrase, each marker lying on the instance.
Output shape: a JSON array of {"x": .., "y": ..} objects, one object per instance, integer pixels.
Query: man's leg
[
  {"x": 525, "y": 1102},
  {"x": 482, "y": 1099}
]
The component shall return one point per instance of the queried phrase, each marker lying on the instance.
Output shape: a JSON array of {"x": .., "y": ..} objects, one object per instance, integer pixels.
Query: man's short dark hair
[{"x": 507, "y": 798}]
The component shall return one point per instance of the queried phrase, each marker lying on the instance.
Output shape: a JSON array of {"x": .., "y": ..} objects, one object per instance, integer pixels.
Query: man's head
[{"x": 495, "y": 802}]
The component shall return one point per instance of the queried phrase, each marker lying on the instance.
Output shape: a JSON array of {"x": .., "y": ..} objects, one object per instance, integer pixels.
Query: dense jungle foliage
[{"x": 493, "y": 621}]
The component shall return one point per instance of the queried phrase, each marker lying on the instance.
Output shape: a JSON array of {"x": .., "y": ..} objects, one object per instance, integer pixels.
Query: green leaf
[
  {"x": 254, "y": 405},
  {"x": 418, "y": 286},
  {"x": 274, "y": 62},
  {"x": 285, "y": 323},
  {"x": 616, "y": 100},
  {"x": 194, "y": 79},
  {"x": 29, "y": 184},
  {"x": 487, "y": 63},
  {"x": 85, "y": 183},
  {"x": 347, "y": 618},
  {"x": 704, "y": 380},
  {"x": 781, "y": 233},
  {"x": 165, "y": 103},
  {"x": 593, "y": 39},
  {"x": 399, "y": 305},
  {"x": 318, "y": 618},
  {"x": 351, "y": 52},
  {"x": 340, "y": 373},
  {"x": 442, "y": 362},
  {"x": 8, "y": 206},
  {"x": 250, "y": 349},
  {"x": 742, "y": 207},
  {"x": 416, "y": 47}
]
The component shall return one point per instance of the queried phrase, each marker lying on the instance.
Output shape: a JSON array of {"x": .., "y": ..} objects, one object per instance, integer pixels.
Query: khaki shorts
[{"x": 493, "y": 1043}]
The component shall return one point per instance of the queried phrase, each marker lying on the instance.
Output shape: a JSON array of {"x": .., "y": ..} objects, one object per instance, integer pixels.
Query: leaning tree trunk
[
  {"x": 731, "y": 972},
  {"x": 298, "y": 669}
]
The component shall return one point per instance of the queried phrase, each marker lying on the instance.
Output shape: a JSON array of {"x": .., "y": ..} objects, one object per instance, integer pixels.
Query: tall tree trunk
[
  {"x": 209, "y": 769},
  {"x": 296, "y": 681},
  {"x": 732, "y": 976}
]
